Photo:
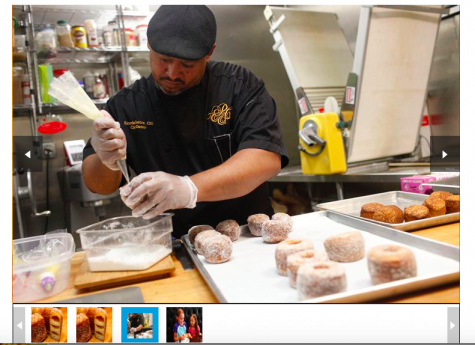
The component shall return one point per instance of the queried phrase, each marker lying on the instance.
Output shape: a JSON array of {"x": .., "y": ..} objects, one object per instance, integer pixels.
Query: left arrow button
[{"x": 28, "y": 154}]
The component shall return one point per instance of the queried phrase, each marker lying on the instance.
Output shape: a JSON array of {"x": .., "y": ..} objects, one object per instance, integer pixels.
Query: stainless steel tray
[
  {"x": 251, "y": 271},
  {"x": 352, "y": 207}
]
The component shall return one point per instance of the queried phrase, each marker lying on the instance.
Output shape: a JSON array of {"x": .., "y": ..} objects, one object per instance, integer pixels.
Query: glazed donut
[
  {"x": 203, "y": 236},
  {"x": 435, "y": 205},
  {"x": 387, "y": 263},
  {"x": 367, "y": 210},
  {"x": 255, "y": 223},
  {"x": 229, "y": 228},
  {"x": 284, "y": 217},
  {"x": 416, "y": 212},
  {"x": 275, "y": 231},
  {"x": 294, "y": 261},
  {"x": 345, "y": 247},
  {"x": 196, "y": 230},
  {"x": 441, "y": 194},
  {"x": 286, "y": 248},
  {"x": 452, "y": 204},
  {"x": 389, "y": 214},
  {"x": 320, "y": 278},
  {"x": 217, "y": 249}
]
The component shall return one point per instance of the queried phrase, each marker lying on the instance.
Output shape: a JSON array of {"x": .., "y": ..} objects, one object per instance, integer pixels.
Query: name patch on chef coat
[
  {"x": 138, "y": 124},
  {"x": 220, "y": 114}
]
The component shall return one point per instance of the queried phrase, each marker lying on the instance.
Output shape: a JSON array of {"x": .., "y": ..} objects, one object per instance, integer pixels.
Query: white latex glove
[
  {"x": 108, "y": 140},
  {"x": 132, "y": 330},
  {"x": 153, "y": 193}
]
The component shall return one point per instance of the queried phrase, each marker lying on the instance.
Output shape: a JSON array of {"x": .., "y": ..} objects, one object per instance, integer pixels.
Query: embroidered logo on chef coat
[
  {"x": 138, "y": 124},
  {"x": 220, "y": 114}
]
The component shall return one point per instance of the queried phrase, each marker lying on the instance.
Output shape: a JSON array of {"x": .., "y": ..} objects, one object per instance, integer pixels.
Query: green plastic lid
[{"x": 61, "y": 22}]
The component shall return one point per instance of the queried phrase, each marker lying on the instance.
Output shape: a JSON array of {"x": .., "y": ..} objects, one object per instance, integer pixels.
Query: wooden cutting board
[
  {"x": 64, "y": 328},
  {"x": 86, "y": 279},
  {"x": 108, "y": 335}
]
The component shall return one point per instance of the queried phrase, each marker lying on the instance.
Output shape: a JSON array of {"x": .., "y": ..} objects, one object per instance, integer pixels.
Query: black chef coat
[
  {"x": 136, "y": 321},
  {"x": 228, "y": 111}
]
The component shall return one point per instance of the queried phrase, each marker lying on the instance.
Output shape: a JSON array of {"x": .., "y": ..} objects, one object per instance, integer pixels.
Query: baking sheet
[
  {"x": 352, "y": 207},
  {"x": 251, "y": 274}
]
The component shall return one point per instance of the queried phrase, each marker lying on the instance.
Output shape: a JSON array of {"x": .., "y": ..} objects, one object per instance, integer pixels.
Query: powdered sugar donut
[
  {"x": 285, "y": 217},
  {"x": 345, "y": 247},
  {"x": 320, "y": 278},
  {"x": 229, "y": 228},
  {"x": 203, "y": 236},
  {"x": 387, "y": 263},
  {"x": 217, "y": 249},
  {"x": 294, "y": 261},
  {"x": 255, "y": 223},
  {"x": 196, "y": 230},
  {"x": 275, "y": 231},
  {"x": 286, "y": 248}
]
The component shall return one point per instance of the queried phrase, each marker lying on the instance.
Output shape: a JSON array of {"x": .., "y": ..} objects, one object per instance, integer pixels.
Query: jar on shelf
[
  {"x": 63, "y": 29},
  {"x": 141, "y": 31},
  {"x": 19, "y": 48},
  {"x": 108, "y": 36},
  {"x": 130, "y": 38},
  {"x": 25, "y": 85},
  {"x": 92, "y": 37},
  {"x": 99, "y": 90},
  {"x": 89, "y": 84},
  {"x": 79, "y": 36},
  {"x": 46, "y": 42}
]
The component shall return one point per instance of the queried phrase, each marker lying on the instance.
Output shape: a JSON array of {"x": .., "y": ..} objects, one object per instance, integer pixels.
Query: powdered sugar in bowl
[{"x": 127, "y": 243}]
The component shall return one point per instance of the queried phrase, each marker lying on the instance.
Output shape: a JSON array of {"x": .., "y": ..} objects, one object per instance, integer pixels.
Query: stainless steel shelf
[
  {"x": 100, "y": 103},
  {"x": 375, "y": 173}
]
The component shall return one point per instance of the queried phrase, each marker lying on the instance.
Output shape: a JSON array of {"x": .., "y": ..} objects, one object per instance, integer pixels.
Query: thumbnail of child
[
  {"x": 185, "y": 325},
  {"x": 49, "y": 325}
]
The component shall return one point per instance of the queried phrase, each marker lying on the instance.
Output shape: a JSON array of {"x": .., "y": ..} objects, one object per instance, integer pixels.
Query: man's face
[
  {"x": 175, "y": 75},
  {"x": 134, "y": 315}
]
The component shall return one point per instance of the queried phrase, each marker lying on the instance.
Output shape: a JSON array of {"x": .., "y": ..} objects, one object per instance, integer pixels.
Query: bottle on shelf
[
  {"x": 115, "y": 32},
  {"x": 25, "y": 84},
  {"x": 89, "y": 82},
  {"x": 108, "y": 36},
  {"x": 63, "y": 29},
  {"x": 91, "y": 29},
  {"x": 99, "y": 91},
  {"x": 17, "y": 91},
  {"x": 130, "y": 38}
]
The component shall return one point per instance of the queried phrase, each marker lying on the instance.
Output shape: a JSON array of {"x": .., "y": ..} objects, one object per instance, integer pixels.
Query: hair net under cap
[{"x": 183, "y": 32}]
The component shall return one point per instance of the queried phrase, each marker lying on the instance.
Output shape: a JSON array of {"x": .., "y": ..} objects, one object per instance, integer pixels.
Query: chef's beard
[{"x": 167, "y": 93}]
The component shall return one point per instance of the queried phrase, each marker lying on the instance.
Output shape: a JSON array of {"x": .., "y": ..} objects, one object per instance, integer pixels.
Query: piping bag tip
[{"x": 123, "y": 168}]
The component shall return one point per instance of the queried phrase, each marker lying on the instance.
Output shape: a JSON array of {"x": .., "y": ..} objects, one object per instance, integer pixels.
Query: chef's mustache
[{"x": 178, "y": 80}]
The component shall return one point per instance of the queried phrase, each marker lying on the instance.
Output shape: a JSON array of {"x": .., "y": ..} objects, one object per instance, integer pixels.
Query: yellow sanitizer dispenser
[{"x": 321, "y": 145}]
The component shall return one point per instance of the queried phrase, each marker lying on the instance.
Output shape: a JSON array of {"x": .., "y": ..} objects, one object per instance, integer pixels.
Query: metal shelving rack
[{"x": 112, "y": 57}]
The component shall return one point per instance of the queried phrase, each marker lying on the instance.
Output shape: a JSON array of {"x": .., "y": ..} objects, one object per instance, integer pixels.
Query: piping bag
[{"x": 68, "y": 91}]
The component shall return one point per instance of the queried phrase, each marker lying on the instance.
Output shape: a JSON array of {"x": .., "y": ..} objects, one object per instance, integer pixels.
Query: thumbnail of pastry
[
  {"x": 49, "y": 325},
  {"x": 93, "y": 325}
]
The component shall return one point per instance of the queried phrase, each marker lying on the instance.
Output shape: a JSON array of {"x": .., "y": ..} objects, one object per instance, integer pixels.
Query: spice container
[
  {"x": 99, "y": 90},
  {"x": 115, "y": 33},
  {"x": 108, "y": 36},
  {"x": 63, "y": 29},
  {"x": 92, "y": 37},
  {"x": 46, "y": 42},
  {"x": 130, "y": 38},
  {"x": 142, "y": 35},
  {"x": 78, "y": 34},
  {"x": 89, "y": 82},
  {"x": 127, "y": 243}
]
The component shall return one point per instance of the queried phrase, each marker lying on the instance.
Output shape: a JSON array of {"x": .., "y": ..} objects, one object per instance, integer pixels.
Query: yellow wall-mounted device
[{"x": 327, "y": 155}]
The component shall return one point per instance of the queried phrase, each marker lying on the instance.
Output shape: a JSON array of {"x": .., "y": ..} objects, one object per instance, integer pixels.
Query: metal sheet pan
[
  {"x": 352, "y": 207},
  {"x": 251, "y": 276}
]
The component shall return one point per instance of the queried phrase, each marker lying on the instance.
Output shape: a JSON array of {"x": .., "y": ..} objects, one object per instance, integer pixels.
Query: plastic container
[
  {"x": 142, "y": 35},
  {"x": 25, "y": 85},
  {"x": 130, "y": 38},
  {"x": 108, "y": 36},
  {"x": 41, "y": 266},
  {"x": 63, "y": 29},
  {"x": 17, "y": 90},
  {"x": 127, "y": 243}
]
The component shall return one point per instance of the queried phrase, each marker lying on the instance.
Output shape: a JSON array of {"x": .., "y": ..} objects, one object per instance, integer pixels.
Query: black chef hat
[{"x": 183, "y": 32}]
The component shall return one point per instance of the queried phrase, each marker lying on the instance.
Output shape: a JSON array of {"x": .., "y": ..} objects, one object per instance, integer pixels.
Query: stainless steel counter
[{"x": 373, "y": 173}]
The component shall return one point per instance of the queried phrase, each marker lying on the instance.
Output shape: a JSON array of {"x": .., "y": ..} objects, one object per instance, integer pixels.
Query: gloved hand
[
  {"x": 133, "y": 330},
  {"x": 153, "y": 193},
  {"x": 108, "y": 140}
]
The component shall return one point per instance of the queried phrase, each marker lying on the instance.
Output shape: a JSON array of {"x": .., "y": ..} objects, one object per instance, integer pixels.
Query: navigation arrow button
[
  {"x": 444, "y": 154},
  {"x": 20, "y": 325},
  {"x": 28, "y": 154}
]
